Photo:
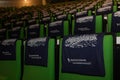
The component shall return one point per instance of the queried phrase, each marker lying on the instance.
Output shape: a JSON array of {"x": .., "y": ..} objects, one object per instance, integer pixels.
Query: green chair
[
  {"x": 63, "y": 17},
  {"x": 37, "y": 66},
  {"x": 89, "y": 12},
  {"x": 11, "y": 59},
  {"x": 82, "y": 14},
  {"x": 96, "y": 23},
  {"x": 20, "y": 23},
  {"x": 7, "y": 25},
  {"x": 106, "y": 10},
  {"x": 113, "y": 23},
  {"x": 35, "y": 30},
  {"x": 16, "y": 32},
  {"x": 46, "y": 20},
  {"x": 115, "y": 8},
  {"x": 33, "y": 21},
  {"x": 58, "y": 29},
  {"x": 107, "y": 47},
  {"x": 73, "y": 11}
]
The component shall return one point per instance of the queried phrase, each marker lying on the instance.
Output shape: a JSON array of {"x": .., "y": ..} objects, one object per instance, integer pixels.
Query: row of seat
[
  {"x": 83, "y": 57},
  {"x": 22, "y": 23},
  {"x": 47, "y": 13},
  {"x": 47, "y": 19},
  {"x": 81, "y": 25},
  {"x": 80, "y": 55}
]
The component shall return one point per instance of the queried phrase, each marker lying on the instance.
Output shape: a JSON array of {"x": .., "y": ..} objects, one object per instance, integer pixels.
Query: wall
[{"x": 19, "y": 3}]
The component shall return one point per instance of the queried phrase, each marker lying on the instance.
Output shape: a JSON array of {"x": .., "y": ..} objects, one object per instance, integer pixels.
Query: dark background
[{"x": 19, "y": 3}]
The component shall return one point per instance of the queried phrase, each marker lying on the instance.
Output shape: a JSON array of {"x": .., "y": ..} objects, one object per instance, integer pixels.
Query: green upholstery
[
  {"x": 7, "y": 34},
  {"x": 39, "y": 72},
  {"x": 42, "y": 34},
  {"x": 37, "y": 21},
  {"x": 108, "y": 62},
  {"x": 89, "y": 12},
  {"x": 11, "y": 69},
  {"x": 115, "y": 8},
  {"x": 70, "y": 18},
  {"x": 66, "y": 28},
  {"x": 52, "y": 19},
  {"x": 22, "y": 35},
  {"x": 3, "y": 78},
  {"x": 98, "y": 24},
  {"x": 109, "y": 22},
  {"x": 73, "y": 26}
]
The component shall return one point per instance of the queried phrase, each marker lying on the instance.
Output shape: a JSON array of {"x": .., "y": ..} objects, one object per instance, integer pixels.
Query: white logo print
[
  {"x": 81, "y": 13},
  {"x": 85, "y": 19},
  {"x": 79, "y": 61},
  {"x": 34, "y": 26},
  {"x": 117, "y": 14},
  {"x": 37, "y": 42},
  {"x": 55, "y": 23},
  {"x": 61, "y": 16},
  {"x": 104, "y": 9},
  {"x": 9, "y": 42},
  {"x": 81, "y": 41}
]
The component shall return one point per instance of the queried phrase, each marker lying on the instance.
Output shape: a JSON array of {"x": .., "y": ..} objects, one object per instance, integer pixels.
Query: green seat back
[
  {"x": 70, "y": 18},
  {"x": 98, "y": 24},
  {"x": 89, "y": 12},
  {"x": 109, "y": 25},
  {"x": 11, "y": 33},
  {"x": 11, "y": 69},
  {"x": 114, "y": 8},
  {"x": 108, "y": 63},
  {"x": 41, "y": 31},
  {"x": 65, "y": 28},
  {"x": 32, "y": 72},
  {"x": 31, "y": 22}
]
